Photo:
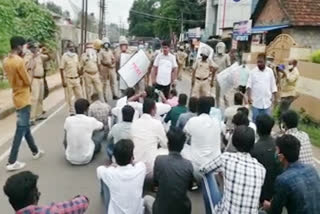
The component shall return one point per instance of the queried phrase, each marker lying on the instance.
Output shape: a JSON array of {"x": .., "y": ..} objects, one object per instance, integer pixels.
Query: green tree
[
  {"x": 142, "y": 25},
  {"x": 25, "y": 18},
  {"x": 54, "y": 8}
]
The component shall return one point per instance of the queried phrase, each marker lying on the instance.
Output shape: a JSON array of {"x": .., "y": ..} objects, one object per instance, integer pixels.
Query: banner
[
  {"x": 242, "y": 30},
  {"x": 135, "y": 69}
]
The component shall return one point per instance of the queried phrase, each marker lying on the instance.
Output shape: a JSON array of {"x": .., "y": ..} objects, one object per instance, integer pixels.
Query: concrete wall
[
  {"x": 309, "y": 89},
  {"x": 308, "y": 37},
  {"x": 234, "y": 12}
]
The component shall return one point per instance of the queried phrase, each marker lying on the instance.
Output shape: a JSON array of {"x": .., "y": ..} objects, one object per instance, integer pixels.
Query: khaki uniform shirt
[
  {"x": 89, "y": 64},
  {"x": 39, "y": 60},
  {"x": 289, "y": 84},
  {"x": 223, "y": 61},
  {"x": 106, "y": 58},
  {"x": 14, "y": 67},
  {"x": 70, "y": 65},
  {"x": 202, "y": 68},
  {"x": 181, "y": 57}
]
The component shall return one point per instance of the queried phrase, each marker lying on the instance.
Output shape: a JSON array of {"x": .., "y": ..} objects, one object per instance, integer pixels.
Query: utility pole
[
  {"x": 182, "y": 27},
  {"x": 82, "y": 26},
  {"x": 102, "y": 5},
  {"x": 85, "y": 22}
]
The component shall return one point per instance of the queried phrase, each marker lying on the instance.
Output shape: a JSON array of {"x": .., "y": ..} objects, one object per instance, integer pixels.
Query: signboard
[
  {"x": 242, "y": 30},
  {"x": 124, "y": 58},
  {"x": 135, "y": 69},
  {"x": 194, "y": 33}
]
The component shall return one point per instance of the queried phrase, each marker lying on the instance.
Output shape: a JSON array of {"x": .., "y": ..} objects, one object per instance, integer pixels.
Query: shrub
[{"x": 315, "y": 57}]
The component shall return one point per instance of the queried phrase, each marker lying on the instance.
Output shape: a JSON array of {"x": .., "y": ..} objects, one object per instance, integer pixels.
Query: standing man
[
  {"x": 108, "y": 73},
  {"x": 37, "y": 82},
  {"x": 165, "y": 70},
  {"x": 181, "y": 59},
  {"x": 223, "y": 61},
  {"x": 70, "y": 76},
  {"x": 289, "y": 81},
  {"x": 89, "y": 65},
  {"x": 203, "y": 69},
  {"x": 122, "y": 55},
  {"x": 261, "y": 88},
  {"x": 14, "y": 67}
]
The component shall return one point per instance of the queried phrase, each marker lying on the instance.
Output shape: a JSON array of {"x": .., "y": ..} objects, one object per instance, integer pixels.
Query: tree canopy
[
  {"x": 162, "y": 17},
  {"x": 25, "y": 18}
]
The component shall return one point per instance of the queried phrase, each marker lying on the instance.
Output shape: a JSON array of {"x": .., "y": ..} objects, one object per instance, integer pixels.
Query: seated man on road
[
  {"x": 298, "y": 187},
  {"x": 122, "y": 185},
  {"x": 263, "y": 151},
  {"x": 185, "y": 117},
  {"x": 175, "y": 112},
  {"x": 147, "y": 135},
  {"x": 173, "y": 99},
  {"x": 290, "y": 120},
  {"x": 100, "y": 111},
  {"x": 23, "y": 194},
  {"x": 232, "y": 110},
  {"x": 205, "y": 136},
  {"x": 131, "y": 99},
  {"x": 122, "y": 130},
  {"x": 174, "y": 175},
  {"x": 243, "y": 175},
  {"x": 80, "y": 148}
]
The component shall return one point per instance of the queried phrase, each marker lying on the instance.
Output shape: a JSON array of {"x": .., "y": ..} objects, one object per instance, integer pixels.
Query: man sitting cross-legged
[
  {"x": 174, "y": 175},
  {"x": 122, "y": 185},
  {"x": 79, "y": 145}
]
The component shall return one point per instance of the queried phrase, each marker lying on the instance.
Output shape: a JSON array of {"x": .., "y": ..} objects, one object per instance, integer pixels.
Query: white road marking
[
  {"x": 316, "y": 160},
  {"x": 6, "y": 153}
]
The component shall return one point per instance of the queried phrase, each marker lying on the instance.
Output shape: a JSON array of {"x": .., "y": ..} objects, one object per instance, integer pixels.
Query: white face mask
[{"x": 290, "y": 67}]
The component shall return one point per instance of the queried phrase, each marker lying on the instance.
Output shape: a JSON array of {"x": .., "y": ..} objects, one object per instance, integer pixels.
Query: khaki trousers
[
  {"x": 109, "y": 79},
  {"x": 92, "y": 81},
  {"x": 73, "y": 89},
  {"x": 180, "y": 70},
  {"x": 37, "y": 98},
  {"x": 201, "y": 88}
]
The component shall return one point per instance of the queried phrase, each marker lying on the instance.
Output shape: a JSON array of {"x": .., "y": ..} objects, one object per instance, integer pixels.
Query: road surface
[{"x": 58, "y": 180}]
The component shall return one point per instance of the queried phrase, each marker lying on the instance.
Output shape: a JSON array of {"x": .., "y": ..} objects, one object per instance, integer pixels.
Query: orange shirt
[{"x": 14, "y": 67}]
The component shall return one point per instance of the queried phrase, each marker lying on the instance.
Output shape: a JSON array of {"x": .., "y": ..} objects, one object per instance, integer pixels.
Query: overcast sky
[{"x": 118, "y": 9}]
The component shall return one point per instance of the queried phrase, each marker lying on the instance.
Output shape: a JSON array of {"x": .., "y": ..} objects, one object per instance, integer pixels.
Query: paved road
[{"x": 58, "y": 180}]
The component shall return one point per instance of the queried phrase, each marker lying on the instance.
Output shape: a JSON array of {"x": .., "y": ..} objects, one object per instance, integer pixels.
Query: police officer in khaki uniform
[
  {"x": 108, "y": 73},
  {"x": 181, "y": 60},
  {"x": 89, "y": 66},
  {"x": 203, "y": 74},
  {"x": 223, "y": 61},
  {"x": 37, "y": 82},
  {"x": 123, "y": 49},
  {"x": 70, "y": 76}
]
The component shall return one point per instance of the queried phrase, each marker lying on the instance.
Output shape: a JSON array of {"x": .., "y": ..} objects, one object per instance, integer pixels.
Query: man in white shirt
[
  {"x": 165, "y": 69},
  {"x": 122, "y": 185},
  {"x": 205, "y": 136},
  {"x": 80, "y": 147},
  {"x": 261, "y": 88},
  {"x": 147, "y": 134}
]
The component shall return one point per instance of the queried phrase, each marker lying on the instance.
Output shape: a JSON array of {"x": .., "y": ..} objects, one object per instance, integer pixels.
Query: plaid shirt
[
  {"x": 100, "y": 111},
  {"x": 306, "y": 148},
  {"x": 243, "y": 180},
  {"x": 78, "y": 205},
  {"x": 297, "y": 189}
]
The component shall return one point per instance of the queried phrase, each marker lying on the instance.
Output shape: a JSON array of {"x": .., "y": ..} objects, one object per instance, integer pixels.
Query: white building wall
[{"x": 230, "y": 11}]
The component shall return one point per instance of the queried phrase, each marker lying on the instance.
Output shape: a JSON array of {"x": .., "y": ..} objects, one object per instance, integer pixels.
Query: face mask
[
  {"x": 290, "y": 67},
  {"x": 220, "y": 50}
]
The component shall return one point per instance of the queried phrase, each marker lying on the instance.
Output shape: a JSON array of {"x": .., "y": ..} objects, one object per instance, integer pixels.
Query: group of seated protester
[{"x": 239, "y": 166}]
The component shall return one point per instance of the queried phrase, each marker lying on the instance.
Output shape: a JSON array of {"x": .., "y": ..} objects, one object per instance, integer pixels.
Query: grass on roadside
[
  {"x": 4, "y": 84},
  {"x": 313, "y": 132}
]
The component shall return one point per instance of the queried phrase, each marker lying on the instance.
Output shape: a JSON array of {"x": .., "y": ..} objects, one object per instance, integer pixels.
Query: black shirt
[
  {"x": 174, "y": 176},
  {"x": 264, "y": 152}
]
